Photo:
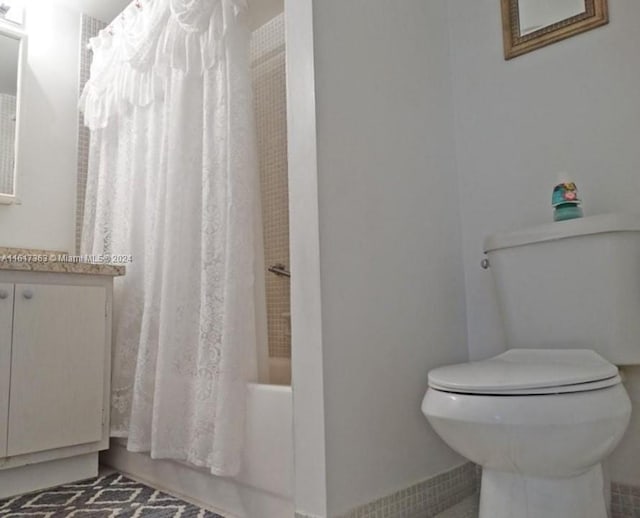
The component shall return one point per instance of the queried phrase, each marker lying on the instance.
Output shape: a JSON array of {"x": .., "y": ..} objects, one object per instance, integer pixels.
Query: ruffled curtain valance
[{"x": 132, "y": 57}]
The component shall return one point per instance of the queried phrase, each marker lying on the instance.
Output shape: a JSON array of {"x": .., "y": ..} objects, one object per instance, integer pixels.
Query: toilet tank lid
[
  {"x": 519, "y": 369},
  {"x": 564, "y": 229}
]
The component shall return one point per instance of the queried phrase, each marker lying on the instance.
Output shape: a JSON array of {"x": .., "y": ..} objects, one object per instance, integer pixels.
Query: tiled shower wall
[
  {"x": 90, "y": 28},
  {"x": 269, "y": 86},
  {"x": 7, "y": 141},
  {"x": 426, "y": 499}
]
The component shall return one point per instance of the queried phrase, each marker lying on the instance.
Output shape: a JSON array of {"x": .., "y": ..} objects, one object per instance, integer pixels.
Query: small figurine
[{"x": 566, "y": 202}]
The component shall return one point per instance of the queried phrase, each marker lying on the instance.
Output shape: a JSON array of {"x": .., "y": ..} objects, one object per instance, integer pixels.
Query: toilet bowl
[
  {"x": 539, "y": 422},
  {"x": 541, "y": 417}
]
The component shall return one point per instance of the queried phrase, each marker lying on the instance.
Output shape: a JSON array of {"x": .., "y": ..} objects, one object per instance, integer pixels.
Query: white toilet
[{"x": 541, "y": 417}]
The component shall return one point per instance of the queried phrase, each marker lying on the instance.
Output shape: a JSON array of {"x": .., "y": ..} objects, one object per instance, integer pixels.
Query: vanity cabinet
[{"x": 55, "y": 361}]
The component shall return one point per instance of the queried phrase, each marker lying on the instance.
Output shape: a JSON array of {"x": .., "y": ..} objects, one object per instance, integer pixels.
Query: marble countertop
[{"x": 49, "y": 261}]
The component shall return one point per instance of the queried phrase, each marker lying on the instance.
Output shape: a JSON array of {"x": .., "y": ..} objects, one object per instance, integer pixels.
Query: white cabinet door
[
  {"x": 6, "y": 317},
  {"x": 57, "y": 367}
]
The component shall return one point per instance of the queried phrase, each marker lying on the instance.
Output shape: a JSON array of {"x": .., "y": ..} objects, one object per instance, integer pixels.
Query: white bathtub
[{"x": 264, "y": 489}]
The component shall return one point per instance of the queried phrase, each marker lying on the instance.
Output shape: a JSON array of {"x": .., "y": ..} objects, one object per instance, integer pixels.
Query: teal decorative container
[{"x": 566, "y": 202}]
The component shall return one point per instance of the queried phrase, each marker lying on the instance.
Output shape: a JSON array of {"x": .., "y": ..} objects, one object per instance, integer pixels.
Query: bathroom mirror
[
  {"x": 530, "y": 24},
  {"x": 12, "y": 48}
]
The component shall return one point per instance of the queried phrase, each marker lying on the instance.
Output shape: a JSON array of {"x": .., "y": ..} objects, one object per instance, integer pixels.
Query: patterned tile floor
[
  {"x": 468, "y": 508},
  {"x": 107, "y": 496}
]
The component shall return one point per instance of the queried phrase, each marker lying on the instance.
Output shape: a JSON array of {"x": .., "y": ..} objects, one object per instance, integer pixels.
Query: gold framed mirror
[{"x": 530, "y": 24}]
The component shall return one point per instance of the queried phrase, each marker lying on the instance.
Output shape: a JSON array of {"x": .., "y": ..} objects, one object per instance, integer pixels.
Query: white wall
[
  {"x": 46, "y": 183},
  {"x": 304, "y": 246},
  {"x": 392, "y": 287},
  {"x": 572, "y": 106}
]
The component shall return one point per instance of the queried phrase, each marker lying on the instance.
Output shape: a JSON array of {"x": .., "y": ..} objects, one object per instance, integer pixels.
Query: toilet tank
[{"x": 571, "y": 284}]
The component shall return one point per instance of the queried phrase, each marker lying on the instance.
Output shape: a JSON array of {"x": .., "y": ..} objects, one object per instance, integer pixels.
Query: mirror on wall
[
  {"x": 11, "y": 44},
  {"x": 530, "y": 24}
]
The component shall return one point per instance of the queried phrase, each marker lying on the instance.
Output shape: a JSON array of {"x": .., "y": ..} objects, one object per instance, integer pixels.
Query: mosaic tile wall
[
  {"x": 90, "y": 28},
  {"x": 268, "y": 75},
  {"x": 423, "y": 500},
  {"x": 7, "y": 141},
  {"x": 468, "y": 508},
  {"x": 454, "y": 494},
  {"x": 625, "y": 501}
]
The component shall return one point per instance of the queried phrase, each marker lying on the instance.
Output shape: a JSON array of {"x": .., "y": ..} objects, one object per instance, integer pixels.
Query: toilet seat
[{"x": 521, "y": 372}]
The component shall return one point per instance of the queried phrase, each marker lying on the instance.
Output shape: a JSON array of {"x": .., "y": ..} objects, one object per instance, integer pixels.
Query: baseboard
[
  {"x": 36, "y": 477},
  {"x": 424, "y": 499},
  {"x": 439, "y": 493},
  {"x": 625, "y": 501}
]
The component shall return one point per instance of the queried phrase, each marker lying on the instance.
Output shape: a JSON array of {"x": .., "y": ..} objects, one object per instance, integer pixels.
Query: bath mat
[{"x": 103, "y": 497}]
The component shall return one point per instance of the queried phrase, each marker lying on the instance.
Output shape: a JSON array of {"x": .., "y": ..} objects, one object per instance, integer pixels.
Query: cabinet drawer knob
[
  {"x": 27, "y": 294},
  {"x": 4, "y": 294}
]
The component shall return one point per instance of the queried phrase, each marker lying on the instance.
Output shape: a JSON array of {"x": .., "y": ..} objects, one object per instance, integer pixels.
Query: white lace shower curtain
[{"x": 173, "y": 182}]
